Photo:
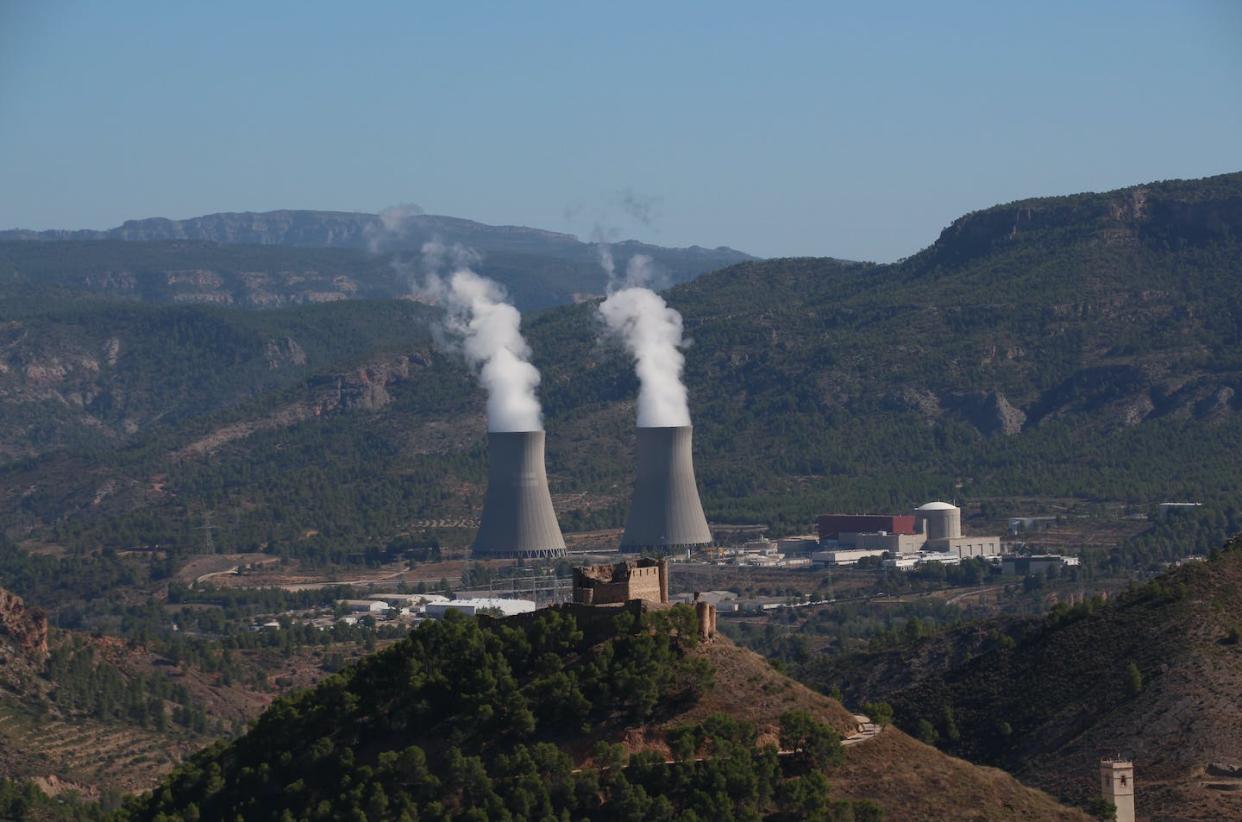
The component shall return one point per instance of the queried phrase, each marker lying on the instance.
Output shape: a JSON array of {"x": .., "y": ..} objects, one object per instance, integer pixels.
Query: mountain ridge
[
  {"x": 354, "y": 229},
  {"x": 270, "y": 259}
]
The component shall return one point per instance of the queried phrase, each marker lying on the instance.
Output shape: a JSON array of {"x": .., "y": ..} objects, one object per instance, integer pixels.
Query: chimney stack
[
  {"x": 518, "y": 521},
  {"x": 665, "y": 511}
]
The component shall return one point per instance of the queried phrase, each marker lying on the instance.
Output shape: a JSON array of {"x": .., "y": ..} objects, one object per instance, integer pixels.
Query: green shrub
[{"x": 881, "y": 713}]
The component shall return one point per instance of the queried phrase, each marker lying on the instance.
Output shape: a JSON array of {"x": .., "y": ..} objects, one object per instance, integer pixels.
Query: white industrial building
[
  {"x": 845, "y": 556},
  {"x": 470, "y": 607},
  {"x": 940, "y": 558},
  {"x": 410, "y": 600},
  {"x": 906, "y": 562},
  {"x": 364, "y": 606},
  {"x": 902, "y": 562},
  {"x": 759, "y": 547}
]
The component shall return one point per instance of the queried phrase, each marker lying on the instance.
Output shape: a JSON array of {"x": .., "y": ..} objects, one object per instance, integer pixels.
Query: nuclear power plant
[
  {"x": 934, "y": 530},
  {"x": 665, "y": 512},
  {"x": 518, "y": 521}
]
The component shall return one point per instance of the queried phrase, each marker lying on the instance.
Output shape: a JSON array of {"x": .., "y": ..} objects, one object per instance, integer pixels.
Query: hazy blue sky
[{"x": 849, "y": 129}]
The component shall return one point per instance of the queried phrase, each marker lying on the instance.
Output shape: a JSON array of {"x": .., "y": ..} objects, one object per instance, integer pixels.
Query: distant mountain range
[{"x": 320, "y": 256}]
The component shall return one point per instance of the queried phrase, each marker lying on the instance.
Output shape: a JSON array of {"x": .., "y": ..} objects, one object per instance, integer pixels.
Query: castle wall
[{"x": 612, "y": 585}]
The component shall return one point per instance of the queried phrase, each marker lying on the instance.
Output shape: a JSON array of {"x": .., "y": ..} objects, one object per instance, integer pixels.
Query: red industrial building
[{"x": 832, "y": 525}]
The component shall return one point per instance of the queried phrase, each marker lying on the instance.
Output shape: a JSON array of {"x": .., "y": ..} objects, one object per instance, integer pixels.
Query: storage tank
[
  {"x": 939, "y": 520},
  {"x": 665, "y": 511},
  {"x": 518, "y": 520}
]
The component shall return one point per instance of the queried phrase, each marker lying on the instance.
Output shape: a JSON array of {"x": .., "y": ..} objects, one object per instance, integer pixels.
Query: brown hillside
[
  {"x": 1065, "y": 691},
  {"x": 55, "y": 745},
  {"x": 916, "y": 781},
  {"x": 1188, "y": 717},
  {"x": 910, "y": 780}
]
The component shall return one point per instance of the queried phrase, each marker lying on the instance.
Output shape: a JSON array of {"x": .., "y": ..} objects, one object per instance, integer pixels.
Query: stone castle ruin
[
  {"x": 645, "y": 579},
  {"x": 642, "y": 581}
]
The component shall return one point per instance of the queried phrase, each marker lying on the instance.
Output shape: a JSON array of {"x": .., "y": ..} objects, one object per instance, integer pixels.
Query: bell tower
[{"x": 1117, "y": 786}]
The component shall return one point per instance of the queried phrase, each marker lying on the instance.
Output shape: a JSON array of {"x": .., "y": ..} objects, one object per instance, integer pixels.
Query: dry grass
[
  {"x": 915, "y": 781},
  {"x": 912, "y": 781}
]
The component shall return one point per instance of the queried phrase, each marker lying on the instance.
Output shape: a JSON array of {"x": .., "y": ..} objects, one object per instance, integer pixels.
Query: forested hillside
[
  {"x": 545, "y": 718},
  {"x": 1085, "y": 347},
  {"x": 1153, "y": 674}
]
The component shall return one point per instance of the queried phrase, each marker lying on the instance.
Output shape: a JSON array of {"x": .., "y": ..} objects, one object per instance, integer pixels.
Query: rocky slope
[
  {"x": 25, "y": 628},
  {"x": 86, "y": 375}
]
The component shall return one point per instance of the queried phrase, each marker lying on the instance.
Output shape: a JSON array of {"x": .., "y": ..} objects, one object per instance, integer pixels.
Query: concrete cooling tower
[
  {"x": 665, "y": 512},
  {"x": 518, "y": 520}
]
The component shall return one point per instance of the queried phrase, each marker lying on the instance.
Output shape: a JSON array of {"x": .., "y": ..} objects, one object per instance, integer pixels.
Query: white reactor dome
[{"x": 939, "y": 520}]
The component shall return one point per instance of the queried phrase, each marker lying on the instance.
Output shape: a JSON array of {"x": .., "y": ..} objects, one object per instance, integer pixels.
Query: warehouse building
[
  {"x": 831, "y": 526},
  {"x": 845, "y": 556},
  {"x": 471, "y": 607}
]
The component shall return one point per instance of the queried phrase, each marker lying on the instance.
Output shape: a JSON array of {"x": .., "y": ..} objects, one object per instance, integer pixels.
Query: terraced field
[{"x": 89, "y": 754}]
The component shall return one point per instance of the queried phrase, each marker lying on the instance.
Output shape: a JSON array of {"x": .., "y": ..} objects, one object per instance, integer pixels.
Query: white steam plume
[
  {"x": 392, "y": 227},
  {"x": 652, "y": 332},
  {"x": 489, "y": 331}
]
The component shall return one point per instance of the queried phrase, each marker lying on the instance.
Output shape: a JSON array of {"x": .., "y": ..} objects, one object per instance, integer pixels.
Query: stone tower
[{"x": 1117, "y": 784}]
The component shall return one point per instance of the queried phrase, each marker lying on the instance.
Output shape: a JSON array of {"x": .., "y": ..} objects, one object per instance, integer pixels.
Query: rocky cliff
[
  {"x": 1169, "y": 214},
  {"x": 25, "y": 627}
]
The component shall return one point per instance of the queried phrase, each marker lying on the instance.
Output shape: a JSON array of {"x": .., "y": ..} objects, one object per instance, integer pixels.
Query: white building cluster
[
  {"x": 428, "y": 606},
  {"x": 932, "y": 534}
]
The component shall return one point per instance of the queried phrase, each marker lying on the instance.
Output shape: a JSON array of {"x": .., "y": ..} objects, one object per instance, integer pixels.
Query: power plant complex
[
  {"x": 932, "y": 533},
  {"x": 666, "y": 514}
]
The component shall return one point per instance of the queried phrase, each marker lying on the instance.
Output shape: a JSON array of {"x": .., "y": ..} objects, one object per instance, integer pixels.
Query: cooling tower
[
  {"x": 518, "y": 520},
  {"x": 665, "y": 512}
]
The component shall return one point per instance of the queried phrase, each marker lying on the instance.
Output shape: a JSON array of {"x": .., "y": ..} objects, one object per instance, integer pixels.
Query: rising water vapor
[
  {"x": 488, "y": 329},
  {"x": 652, "y": 333}
]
